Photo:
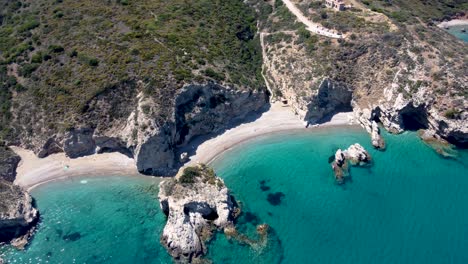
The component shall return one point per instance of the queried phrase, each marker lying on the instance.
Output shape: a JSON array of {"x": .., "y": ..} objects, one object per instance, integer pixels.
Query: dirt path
[{"x": 311, "y": 26}]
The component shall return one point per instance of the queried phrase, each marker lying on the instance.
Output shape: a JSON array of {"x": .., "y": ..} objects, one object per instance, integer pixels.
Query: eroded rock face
[
  {"x": 8, "y": 163},
  {"x": 141, "y": 127},
  {"x": 17, "y": 214},
  {"x": 196, "y": 202},
  {"x": 356, "y": 155}
]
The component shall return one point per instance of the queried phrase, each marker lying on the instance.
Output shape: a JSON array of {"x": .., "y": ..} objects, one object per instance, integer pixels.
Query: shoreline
[
  {"x": 33, "y": 171},
  {"x": 277, "y": 119},
  {"x": 282, "y": 132},
  {"x": 453, "y": 23}
]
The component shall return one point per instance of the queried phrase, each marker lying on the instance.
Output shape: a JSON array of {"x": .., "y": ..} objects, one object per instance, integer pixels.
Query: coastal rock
[
  {"x": 196, "y": 202},
  {"x": 382, "y": 78},
  {"x": 356, "y": 155},
  {"x": 197, "y": 110},
  {"x": 184, "y": 157},
  {"x": 149, "y": 129},
  {"x": 340, "y": 167},
  {"x": 8, "y": 163},
  {"x": 377, "y": 140},
  {"x": 79, "y": 142},
  {"x": 17, "y": 214}
]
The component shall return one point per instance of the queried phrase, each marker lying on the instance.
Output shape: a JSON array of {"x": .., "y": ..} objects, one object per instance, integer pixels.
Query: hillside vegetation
[{"x": 57, "y": 55}]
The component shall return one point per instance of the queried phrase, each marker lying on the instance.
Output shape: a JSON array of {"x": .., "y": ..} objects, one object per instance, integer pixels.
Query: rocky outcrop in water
[
  {"x": 17, "y": 214},
  {"x": 355, "y": 155},
  {"x": 196, "y": 203}
]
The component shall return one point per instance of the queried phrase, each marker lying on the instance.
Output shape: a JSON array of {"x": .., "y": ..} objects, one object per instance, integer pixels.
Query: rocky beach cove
[{"x": 147, "y": 92}]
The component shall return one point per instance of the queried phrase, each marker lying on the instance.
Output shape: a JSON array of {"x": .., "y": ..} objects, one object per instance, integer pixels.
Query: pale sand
[
  {"x": 278, "y": 118},
  {"x": 33, "y": 171},
  {"x": 454, "y": 22}
]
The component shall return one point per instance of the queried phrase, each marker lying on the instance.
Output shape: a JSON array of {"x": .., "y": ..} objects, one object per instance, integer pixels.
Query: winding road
[{"x": 311, "y": 26}]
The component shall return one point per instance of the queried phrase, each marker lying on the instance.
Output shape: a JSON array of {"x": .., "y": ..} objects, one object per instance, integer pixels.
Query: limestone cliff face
[
  {"x": 198, "y": 110},
  {"x": 17, "y": 214},
  {"x": 408, "y": 78},
  {"x": 149, "y": 131},
  {"x": 8, "y": 163}
]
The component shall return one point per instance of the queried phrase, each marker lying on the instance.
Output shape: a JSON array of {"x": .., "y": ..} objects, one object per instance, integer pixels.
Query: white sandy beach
[
  {"x": 33, "y": 171},
  {"x": 454, "y": 22},
  {"x": 278, "y": 118}
]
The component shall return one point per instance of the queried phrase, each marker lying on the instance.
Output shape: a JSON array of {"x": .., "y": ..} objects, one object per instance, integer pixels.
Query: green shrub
[
  {"x": 189, "y": 175},
  {"x": 56, "y": 48},
  {"x": 28, "y": 69},
  {"x": 214, "y": 74},
  {"x": 36, "y": 58},
  {"x": 452, "y": 113}
]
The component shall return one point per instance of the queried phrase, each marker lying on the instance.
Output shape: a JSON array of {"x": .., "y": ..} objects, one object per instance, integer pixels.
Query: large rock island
[{"x": 196, "y": 203}]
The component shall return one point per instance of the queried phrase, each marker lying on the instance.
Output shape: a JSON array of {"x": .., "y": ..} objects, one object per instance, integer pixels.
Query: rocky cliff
[
  {"x": 172, "y": 75},
  {"x": 405, "y": 75},
  {"x": 196, "y": 204},
  {"x": 8, "y": 163},
  {"x": 17, "y": 214}
]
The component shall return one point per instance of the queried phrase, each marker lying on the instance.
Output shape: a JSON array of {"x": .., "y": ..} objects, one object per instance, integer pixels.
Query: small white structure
[{"x": 338, "y": 5}]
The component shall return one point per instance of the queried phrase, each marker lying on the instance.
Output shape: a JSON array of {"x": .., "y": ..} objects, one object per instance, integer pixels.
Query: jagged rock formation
[
  {"x": 356, "y": 155},
  {"x": 17, "y": 214},
  {"x": 8, "y": 163},
  {"x": 196, "y": 203}
]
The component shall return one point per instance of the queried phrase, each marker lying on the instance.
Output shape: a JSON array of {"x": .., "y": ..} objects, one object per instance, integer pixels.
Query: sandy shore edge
[
  {"x": 33, "y": 171},
  {"x": 454, "y": 22}
]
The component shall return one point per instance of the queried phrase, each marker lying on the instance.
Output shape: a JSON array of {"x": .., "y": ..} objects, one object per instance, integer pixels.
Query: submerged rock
[
  {"x": 355, "y": 154},
  {"x": 196, "y": 203},
  {"x": 439, "y": 145},
  {"x": 17, "y": 215}
]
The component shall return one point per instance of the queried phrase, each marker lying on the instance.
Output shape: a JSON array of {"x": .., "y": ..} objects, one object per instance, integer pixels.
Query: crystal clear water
[
  {"x": 409, "y": 207},
  {"x": 457, "y": 32},
  {"x": 96, "y": 220}
]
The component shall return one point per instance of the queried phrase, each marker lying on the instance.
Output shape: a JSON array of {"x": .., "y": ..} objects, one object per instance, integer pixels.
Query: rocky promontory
[
  {"x": 17, "y": 214},
  {"x": 356, "y": 155},
  {"x": 196, "y": 203}
]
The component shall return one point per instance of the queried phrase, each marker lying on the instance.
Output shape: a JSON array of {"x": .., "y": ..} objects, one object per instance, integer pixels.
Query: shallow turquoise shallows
[
  {"x": 411, "y": 206},
  {"x": 96, "y": 220},
  {"x": 457, "y": 32}
]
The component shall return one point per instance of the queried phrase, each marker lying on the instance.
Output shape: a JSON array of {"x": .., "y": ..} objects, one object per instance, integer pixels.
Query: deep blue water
[{"x": 409, "y": 207}]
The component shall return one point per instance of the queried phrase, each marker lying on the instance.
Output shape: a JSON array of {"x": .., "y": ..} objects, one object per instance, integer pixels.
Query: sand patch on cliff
[{"x": 33, "y": 171}]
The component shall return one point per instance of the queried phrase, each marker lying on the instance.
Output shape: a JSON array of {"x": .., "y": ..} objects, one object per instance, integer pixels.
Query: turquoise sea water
[
  {"x": 409, "y": 207},
  {"x": 95, "y": 220},
  {"x": 456, "y": 31}
]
